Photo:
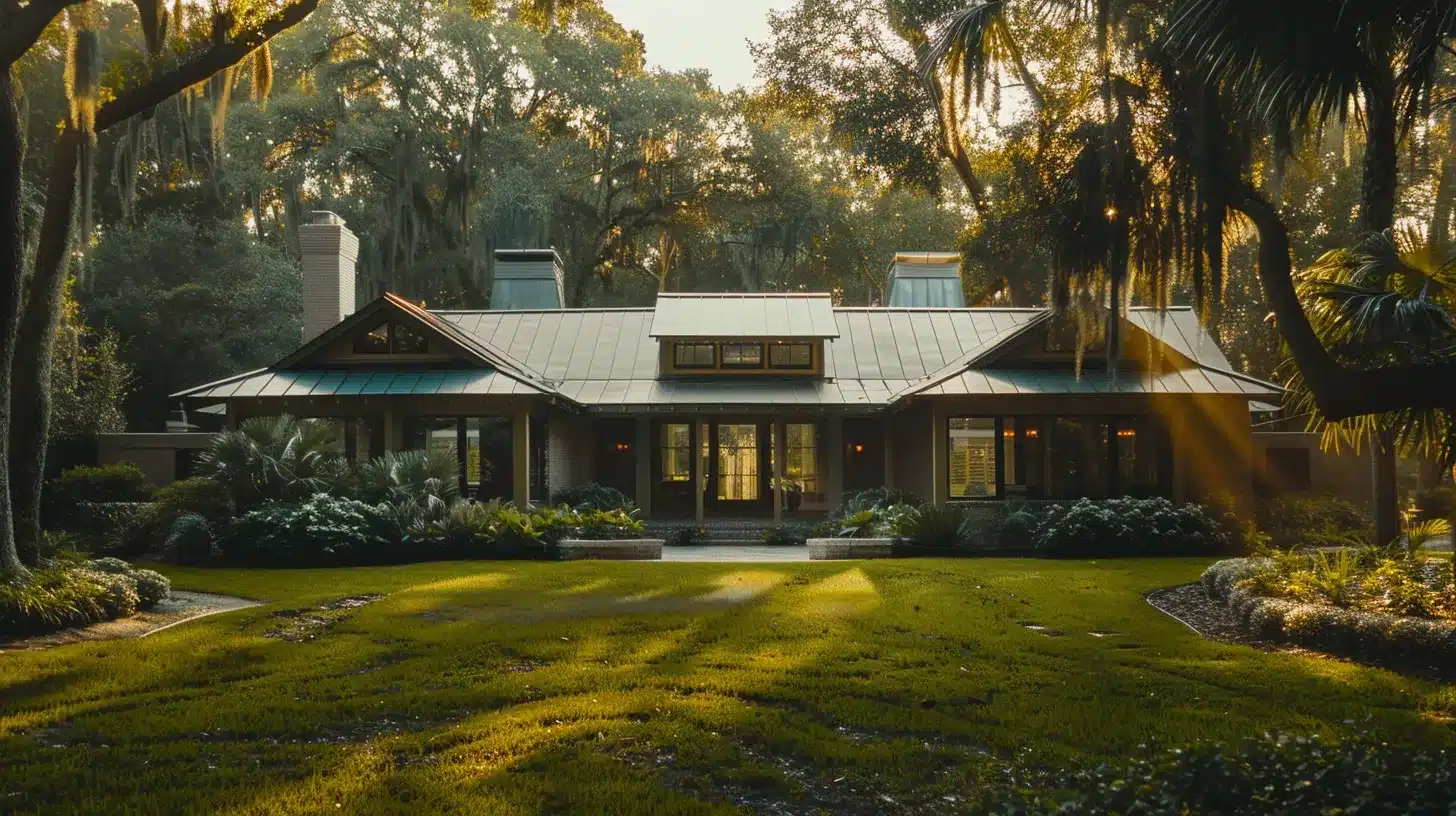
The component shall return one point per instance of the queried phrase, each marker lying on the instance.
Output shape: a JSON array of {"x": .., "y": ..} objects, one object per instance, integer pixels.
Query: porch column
[
  {"x": 939, "y": 456},
  {"x": 234, "y": 416},
  {"x": 642, "y": 462},
  {"x": 778, "y": 470},
  {"x": 833, "y": 460},
  {"x": 887, "y": 433},
  {"x": 393, "y": 433},
  {"x": 521, "y": 457},
  {"x": 700, "y": 478}
]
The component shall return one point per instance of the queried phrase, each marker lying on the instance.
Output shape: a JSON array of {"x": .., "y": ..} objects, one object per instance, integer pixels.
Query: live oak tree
[{"x": 185, "y": 46}]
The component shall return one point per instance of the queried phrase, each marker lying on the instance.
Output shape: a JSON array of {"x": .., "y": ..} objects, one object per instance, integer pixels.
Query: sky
[{"x": 710, "y": 34}]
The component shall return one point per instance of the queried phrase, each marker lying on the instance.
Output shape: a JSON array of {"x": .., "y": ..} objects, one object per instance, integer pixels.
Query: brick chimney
[{"x": 329, "y": 252}]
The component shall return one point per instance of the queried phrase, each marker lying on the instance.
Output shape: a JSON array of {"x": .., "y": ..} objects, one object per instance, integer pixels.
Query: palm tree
[{"x": 275, "y": 457}]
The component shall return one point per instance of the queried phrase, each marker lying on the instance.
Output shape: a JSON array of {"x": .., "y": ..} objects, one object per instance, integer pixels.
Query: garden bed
[
  {"x": 628, "y": 549},
  {"x": 835, "y": 549},
  {"x": 179, "y": 608}
]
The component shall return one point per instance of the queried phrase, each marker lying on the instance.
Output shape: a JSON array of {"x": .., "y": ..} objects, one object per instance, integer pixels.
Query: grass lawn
[{"x": 601, "y": 687}]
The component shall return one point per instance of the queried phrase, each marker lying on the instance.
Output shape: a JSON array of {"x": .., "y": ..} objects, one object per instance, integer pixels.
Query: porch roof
[
  {"x": 361, "y": 383},
  {"x": 979, "y": 382}
]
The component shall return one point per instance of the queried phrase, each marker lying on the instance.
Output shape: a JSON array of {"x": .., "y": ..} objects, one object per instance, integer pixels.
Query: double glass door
[{"x": 738, "y": 466}]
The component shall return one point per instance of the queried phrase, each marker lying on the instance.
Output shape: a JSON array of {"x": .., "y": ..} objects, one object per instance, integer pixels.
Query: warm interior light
[
  {"x": 1030, "y": 433},
  {"x": 1009, "y": 433},
  {"x": 859, "y": 448},
  {"x": 622, "y": 446},
  {"x": 1126, "y": 433},
  {"x": 1110, "y": 212}
]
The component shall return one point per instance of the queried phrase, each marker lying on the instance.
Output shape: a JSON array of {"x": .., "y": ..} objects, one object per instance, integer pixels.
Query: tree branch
[
  {"x": 201, "y": 67},
  {"x": 1339, "y": 391},
  {"x": 22, "y": 28}
]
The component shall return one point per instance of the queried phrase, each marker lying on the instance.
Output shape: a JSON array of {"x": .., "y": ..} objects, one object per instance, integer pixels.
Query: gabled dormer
[{"x": 772, "y": 335}]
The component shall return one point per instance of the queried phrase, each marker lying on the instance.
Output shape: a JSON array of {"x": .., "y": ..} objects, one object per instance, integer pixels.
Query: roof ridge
[{"x": 963, "y": 363}]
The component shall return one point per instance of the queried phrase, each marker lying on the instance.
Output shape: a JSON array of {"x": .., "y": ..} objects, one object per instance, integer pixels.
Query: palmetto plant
[
  {"x": 420, "y": 486},
  {"x": 274, "y": 458}
]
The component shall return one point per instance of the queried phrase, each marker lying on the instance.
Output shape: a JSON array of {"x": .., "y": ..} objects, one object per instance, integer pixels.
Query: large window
[
  {"x": 1058, "y": 457},
  {"x": 390, "y": 337},
  {"x": 480, "y": 447},
  {"x": 973, "y": 458},
  {"x": 801, "y": 451},
  {"x": 791, "y": 355},
  {"x": 742, "y": 355},
  {"x": 694, "y": 355},
  {"x": 357, "y": 440},
  {"x": 677, "y": 453},
  {"x": 737, "y": 462}
]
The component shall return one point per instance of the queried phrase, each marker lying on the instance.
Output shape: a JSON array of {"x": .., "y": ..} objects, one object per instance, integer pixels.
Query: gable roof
[{"x": 761, "y": 316}]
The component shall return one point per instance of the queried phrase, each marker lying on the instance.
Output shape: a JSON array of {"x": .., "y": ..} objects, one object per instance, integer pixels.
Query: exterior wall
[
  {"x": 911, "y": 450},
  {"x": 570, "y": 449},
  {"x": 1213, "y": 449},
  {"x": 154, "y": 453}
]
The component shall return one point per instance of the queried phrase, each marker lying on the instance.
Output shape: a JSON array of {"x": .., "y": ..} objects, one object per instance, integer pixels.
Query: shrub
[
  {"x": 942, "y": 526},
  {"x": 1016, "y": 532},
  {"x": 419, "y": 477},
  {"x": 106, "y": 527},
  {"x": 53, "y": 597},
  {"x": 1265, "y": 774},
  {"x": 190, "y": 541},
  {"x": 197, "y": 495},
  {"x": 118, "y": 596},
  {"x": 785, "y": 535},
  {"x": 120, "y": 482},
  {"x": 592, "y": 496},
  {"x": 603, "y": 525},
  {"x": 686, "y": 535},
  {"x": 275, "y": 458},
  {"x": 323, "y": 531},
  {"x": 1320, "y": 521},
  {"x": 1128, "y": 527},
  {"x": 115, "y": 566},
  {"x": 152, "y": 588},
  {"x": 874, "y": 523},
  {"x": 875, "y": 498}
]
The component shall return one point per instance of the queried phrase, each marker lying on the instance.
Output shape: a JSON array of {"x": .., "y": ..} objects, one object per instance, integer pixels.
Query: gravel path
[{"x": 179, "y": 608}]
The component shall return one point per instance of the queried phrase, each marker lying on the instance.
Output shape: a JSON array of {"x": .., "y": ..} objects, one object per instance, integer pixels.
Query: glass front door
[{"x": 738, "y": 468}]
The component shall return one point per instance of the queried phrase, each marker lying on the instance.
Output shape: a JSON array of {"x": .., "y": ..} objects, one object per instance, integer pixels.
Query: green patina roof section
[{"x": 362, "y": 383}]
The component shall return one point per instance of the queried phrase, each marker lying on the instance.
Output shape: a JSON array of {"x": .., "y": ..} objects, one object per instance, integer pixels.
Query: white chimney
[{"x": 329, "y": 252}]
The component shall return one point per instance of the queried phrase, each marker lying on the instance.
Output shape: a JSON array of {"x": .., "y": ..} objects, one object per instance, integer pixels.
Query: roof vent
[
  {"x": 527, "y": 279},
  {"x": 926, "y": 279}
]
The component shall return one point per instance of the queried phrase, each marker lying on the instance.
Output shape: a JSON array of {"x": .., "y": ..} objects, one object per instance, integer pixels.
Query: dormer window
[
  {"x": 742, "y": 355},
  {"x": 791, "y": 355},
  {"x": 391, "y": 338},
  {"x": 694, "y": 355}
]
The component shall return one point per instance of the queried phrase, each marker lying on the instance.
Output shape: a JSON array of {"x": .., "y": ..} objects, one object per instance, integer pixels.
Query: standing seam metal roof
[{"x": 728, "y": 316}]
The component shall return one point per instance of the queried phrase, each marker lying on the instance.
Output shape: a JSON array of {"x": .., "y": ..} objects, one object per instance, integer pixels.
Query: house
[{"x": 756, "y": 405}]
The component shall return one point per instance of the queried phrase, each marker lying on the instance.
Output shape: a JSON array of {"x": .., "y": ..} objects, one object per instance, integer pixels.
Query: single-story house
[{"x": 756, "y": 405}]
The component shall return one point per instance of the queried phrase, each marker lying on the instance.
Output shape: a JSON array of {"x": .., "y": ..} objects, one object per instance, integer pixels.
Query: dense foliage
[
  {"x": 322, "y": 531},
  {"x": 592, "y": 496},
  {"x": 69, "y": 592},
  {"x": 1313, "y": 521}
]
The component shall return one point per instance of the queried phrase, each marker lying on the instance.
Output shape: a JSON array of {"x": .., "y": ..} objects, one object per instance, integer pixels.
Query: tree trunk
[
  {"x": 1438, "y": 237},
  {"x": 30, "y": 371},
  {"x": 12, "y": 262},
  {"x": 1377, "y": 214}
]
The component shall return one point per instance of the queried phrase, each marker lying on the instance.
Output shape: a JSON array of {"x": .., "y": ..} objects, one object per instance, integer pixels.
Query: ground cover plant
[
  {"x": 68, "y": 590},
  {"x": 669, "y": 688}
]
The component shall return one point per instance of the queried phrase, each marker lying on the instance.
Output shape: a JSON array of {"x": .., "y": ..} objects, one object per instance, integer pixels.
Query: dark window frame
[
  {"x": 791, "y": 366},
  {"x": 677, "y": 361},
  {"x": 727, "y": 366},
  {"x": 1000, "y": 461},
  {"x": 362, "y": 344}
]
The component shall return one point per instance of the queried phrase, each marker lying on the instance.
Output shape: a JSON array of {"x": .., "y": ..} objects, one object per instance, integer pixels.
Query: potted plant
[{"x": 793, "y": 491}]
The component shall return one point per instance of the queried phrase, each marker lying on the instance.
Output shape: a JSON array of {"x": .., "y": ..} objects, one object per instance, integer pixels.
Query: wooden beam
[
  {"x": 778, "y": 429},
  {"x": 700, "y": 479},
  {"x": 939, "y": 457},
  {"x": 642, "y": 463},
  {"x": 832, "y": 445},
  {"x": 521, "y": 457},
  {"x": 887, "y": 436}
]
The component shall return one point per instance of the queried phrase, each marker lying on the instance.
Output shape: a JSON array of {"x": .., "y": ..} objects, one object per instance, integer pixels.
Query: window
[
  {"x": 375, "y": 342},
  {"x": 1079, "y": 458},
  {"x": 677, "y": 453},
  {"x": 742, "y": 355},
  {"x": 405, "y": 340},
  {"x": 801, "y": 451},
  {"x": 791, "y": 355},
  {"x": 1139, "y": 449},
  {"x": 694, "y": 355},
  {"x": 1288, "y": 468},
  {"x": 973, "y": 458},
  {"x": 389, "y": 338},
  {"x": 737, "y": 462}
]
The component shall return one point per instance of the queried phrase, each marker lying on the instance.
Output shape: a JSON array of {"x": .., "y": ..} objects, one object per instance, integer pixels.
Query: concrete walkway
[{"x": 735, "y": 553}]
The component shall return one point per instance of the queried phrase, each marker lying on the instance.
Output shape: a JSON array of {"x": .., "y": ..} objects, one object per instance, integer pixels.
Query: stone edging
[
  {"x": 630, "y": 549},
  {"x": 832, "y": 549}
]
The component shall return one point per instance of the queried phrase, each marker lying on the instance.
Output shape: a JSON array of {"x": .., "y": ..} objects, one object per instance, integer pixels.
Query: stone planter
[
  {"x": 834, "y": 549},
  {"x": 629, "y": 549}
]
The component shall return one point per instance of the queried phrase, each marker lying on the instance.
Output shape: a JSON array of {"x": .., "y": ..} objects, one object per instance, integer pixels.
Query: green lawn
[{"x": 590, "y": 687}]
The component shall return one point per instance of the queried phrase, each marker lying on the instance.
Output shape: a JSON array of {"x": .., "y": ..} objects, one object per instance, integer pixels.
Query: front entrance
[{"x": 739, "y": 466}]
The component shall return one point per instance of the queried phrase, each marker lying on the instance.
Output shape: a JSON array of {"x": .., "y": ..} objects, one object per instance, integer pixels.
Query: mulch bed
[{"x": 179, "y": 608}]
